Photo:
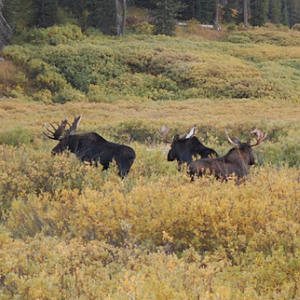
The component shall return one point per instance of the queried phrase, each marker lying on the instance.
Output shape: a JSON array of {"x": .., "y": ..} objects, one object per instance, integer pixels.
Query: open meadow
[{"x": 70, "y": 231}]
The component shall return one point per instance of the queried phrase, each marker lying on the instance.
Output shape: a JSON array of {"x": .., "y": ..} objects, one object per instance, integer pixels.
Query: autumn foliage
[{"x": 70, "y": 231}]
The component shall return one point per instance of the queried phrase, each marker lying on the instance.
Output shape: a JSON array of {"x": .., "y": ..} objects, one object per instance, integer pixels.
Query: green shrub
[
  {"x": 142, "y": 28},
  {"x": 44, "y": 96},
  {"x": 296, "y": 27},
  {"x": 20, "y": 55},
  {"x": 54, "y": 35},
  {"x": 67, "y": 95},
  {"x": 15, "y": 137},
  {"x": 238, "y": 38}
]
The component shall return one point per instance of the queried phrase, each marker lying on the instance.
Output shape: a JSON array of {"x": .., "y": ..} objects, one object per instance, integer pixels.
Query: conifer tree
[
  {"x": 274, "y": 11},
  {"x": 164, "y": 17},
  {"x": 44, "y": 13},
  {"x": 258, "y": 12}
]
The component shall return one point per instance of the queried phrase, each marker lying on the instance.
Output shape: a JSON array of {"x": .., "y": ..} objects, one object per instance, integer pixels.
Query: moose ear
[
  {"x": 237, "y": 141},
  {"x": 176, "y": 137}
]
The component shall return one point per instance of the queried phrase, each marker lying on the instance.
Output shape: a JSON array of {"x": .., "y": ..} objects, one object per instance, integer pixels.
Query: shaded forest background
[{"x": 104, "y": 14}]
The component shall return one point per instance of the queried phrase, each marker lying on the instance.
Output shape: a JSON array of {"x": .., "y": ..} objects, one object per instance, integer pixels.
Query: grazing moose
[
  {"x": 90, "y": 147},
  {"x": 235, "y": 163},
  {"x": 183, "y": 149}
]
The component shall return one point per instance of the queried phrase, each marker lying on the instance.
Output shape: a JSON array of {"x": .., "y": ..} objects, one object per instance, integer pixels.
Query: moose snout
[{"x": 53, "y": 152}]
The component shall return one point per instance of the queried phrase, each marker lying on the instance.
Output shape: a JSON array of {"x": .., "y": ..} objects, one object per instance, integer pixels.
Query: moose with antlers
[
  {"x": 235, "y": 163},
  {"x": 90, "y": 147},
  {"x": 184, "y": 148}
]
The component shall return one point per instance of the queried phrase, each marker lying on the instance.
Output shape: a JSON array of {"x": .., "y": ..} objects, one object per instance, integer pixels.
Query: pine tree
[
  {"x": 102, "y": 16},
  {"x": 274, "y": 11},
  {"x": 206, "y": 10},
  {"x": 284, "y": 14},
  {"x": 165, "y": 15},
  {"x": 76, "y": 8},
  {"x": 293, "y": 11},
  {"x": 44, "y": 13},
  {"x": 258, "y": 12}
]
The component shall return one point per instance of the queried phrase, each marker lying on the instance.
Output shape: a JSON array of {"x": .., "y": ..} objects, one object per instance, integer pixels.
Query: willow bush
[
  {"x": 157, "y": 67},
  {"x": 70, "y": 231},
  {"x": 232, "y": 241}
]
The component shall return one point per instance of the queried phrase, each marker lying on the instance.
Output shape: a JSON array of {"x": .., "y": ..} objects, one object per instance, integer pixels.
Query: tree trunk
[
  {"x": 124, "y": 17},
  {"x": 5, "y": 29},
  {"x": 120, "y": 19},
  {"x": 246, "y": 13},
  {"x": 216, "y": 20}
]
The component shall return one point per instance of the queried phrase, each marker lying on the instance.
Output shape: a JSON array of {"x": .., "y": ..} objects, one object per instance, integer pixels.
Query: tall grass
[{"x": 70, "y": 231}]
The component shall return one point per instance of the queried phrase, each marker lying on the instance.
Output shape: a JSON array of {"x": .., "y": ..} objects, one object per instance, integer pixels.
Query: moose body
[
  {"x": 184, "y": 149},
  {"x": 93, "y": 148},
  {"x": 235, "y": 163}
]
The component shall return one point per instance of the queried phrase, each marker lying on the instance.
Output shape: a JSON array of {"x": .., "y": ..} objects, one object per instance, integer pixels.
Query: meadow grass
[{"x": 70, "y": 231}]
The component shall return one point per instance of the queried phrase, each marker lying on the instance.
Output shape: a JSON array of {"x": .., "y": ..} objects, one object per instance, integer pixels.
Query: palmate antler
[
  {"x": 61, "y": 129},
  {"x": 58, "y": 132},
  {"x": 259, "y": 136},
  {"x": 164, "y": 134}
]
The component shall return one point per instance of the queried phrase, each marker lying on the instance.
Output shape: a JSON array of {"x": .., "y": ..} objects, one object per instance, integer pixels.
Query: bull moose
[
  {"x": 184, "y": 148},
  {"x": 90, "y": 147},
  {"x": 235, "y": 163}
]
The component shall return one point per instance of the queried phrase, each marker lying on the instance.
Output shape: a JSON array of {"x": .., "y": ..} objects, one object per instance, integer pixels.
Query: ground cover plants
[
  {"x": 70, "y": 231},
  {"x": 98, "y": 68}
]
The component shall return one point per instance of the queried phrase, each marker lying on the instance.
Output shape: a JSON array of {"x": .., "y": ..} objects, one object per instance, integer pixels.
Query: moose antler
[
  {"x": 61, "y": 129},
  {"x": 164, "y": 134},
  {"x": 73, "y": 127},
  {"x": 57, "y": 133},
  {"x": 191, "y": 133},
  {"x": 259, "y": 136},
  {"x": 236, "y": 141}
]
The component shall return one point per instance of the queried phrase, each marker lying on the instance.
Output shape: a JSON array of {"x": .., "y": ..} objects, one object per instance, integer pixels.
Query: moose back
[
  {"x": 90, "y": 147},
  {"x": 235, "y": 163}
]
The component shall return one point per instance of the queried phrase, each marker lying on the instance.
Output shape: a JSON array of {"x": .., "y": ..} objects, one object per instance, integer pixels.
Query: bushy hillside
[
  {"x": 70, "y": 231},
  {"x": 60, "y": 64}
]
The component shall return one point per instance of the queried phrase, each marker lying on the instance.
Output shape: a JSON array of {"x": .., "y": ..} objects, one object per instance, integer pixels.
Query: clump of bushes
[{"x": 53, "y": 36}]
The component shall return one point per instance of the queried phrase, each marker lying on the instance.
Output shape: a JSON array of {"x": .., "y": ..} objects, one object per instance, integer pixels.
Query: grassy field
[{"x": 70, "y": 231}]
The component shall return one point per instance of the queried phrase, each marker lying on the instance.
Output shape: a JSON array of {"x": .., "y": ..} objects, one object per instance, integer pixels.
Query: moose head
[{"x": 183, "y": 149}]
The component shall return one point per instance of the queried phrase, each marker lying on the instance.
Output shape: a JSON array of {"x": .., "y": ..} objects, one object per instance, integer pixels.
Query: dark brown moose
[
  {"x": 183, "y": 149},
  {"x": 90, "y": 147},
  {"x": 234, "y": 164}
]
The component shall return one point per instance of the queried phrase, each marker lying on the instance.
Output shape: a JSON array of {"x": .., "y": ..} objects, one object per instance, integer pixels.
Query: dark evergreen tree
[
  {"x": 44, "y": 13},
  {"x": 142, "y": 4},
  {"x": 284, "y": 14},
  {"x": 293, "y": 12},
  {"x": 76, "y": 9},
  {"x": 259, "y": 11},
  {"x": 205, "y": 10},
  {"x": 228, "y": 15},
  {"x": 164, "y": 17},
  {"x": 102, "y": 16},
  {"x": 274, "y": 11},
  {"x": 189, "y": 11}
]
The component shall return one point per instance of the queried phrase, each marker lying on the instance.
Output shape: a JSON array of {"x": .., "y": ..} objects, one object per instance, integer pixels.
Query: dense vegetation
[
  {"x": 70, "y": 231},
  {"x": 101, "y": 14}
]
